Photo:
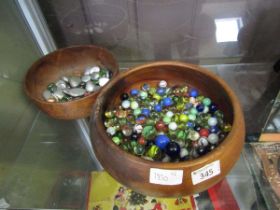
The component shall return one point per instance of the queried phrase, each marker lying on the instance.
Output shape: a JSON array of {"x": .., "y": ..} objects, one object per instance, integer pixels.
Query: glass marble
[
  {"x": 161, "y": 141},
  {"x": 183, "y": 118},
  {"x": 200, "y": 107},
  {"x": 158, "y": 108},
  {"x": 162, "y": 84},
  {"x": 167, "y": 101},
  {"x": 213, "y": 138},
  {"x": 206, "y": 101},
  {"x": 172, "y": 149},
  {"x": 149, "y": 132},
  {"x": 172, "y": 126},
  {"x": 134, "y": 92},
  {"x": 134, "y": 105},
  {"x": 212, "y": 121},
  {"x": 193, "y": 92},
  {"x": 126, "y": 104}
]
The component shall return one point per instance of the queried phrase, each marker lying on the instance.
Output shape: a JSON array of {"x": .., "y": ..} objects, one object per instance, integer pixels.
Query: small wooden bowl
[
  {"x": 66, "y": 62},
  {"x": 135, "y": 172}
]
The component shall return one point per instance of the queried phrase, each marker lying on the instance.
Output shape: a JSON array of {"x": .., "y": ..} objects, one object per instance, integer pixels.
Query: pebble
[
  {"x": 75, "y": 81},
  {"x": 61, "y": 84},
  {"x": 65, "y": 79},
  {"x": 76, "y": 92},
  {"x": 86, "y": 78},
  {"x": 90, "y": 87},
  {"x": 58, "y": 93},
  {"x": 103, "y": 81},
  {"x": 95, "y": 76},
  {"x": 91, "y": 70},
  {"x": 47, "y": 95}
]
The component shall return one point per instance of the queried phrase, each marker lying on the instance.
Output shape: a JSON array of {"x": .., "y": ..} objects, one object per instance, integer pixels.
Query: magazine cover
[{"x": 106, "y": 194}]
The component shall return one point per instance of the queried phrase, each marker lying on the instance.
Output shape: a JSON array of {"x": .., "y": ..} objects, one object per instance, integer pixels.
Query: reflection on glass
[{"x": 227, "y": 29}]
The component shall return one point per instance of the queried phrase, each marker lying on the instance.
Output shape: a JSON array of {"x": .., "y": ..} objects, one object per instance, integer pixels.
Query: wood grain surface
[
  {"x": 134, "y": 171},
  {"x": 66, "y": 62}
]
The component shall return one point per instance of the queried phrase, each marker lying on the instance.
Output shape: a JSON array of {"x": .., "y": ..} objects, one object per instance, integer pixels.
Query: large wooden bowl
[
  {"x": 134, "y": 172},
  {"x": 66, "y": 62}
]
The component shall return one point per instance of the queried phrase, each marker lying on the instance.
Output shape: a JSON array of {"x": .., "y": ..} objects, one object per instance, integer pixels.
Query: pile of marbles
[
  {"x": 167, "y": 124},
  {"x": 69, "y": 88}
]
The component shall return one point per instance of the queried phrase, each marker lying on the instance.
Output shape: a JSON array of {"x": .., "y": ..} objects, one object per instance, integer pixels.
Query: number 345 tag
[{"x": 206, "y": 172}]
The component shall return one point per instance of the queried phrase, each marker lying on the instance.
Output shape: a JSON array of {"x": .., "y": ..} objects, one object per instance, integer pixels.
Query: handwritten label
[
  {"x": 206, "y": 172},
  {"x": 166, "y": 177}
]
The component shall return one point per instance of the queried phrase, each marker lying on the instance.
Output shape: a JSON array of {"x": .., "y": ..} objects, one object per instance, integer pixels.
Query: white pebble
[
  {"x": 91, "y": 70},
  {"x": 102, "y": 81},
  {"x": 90, "y": 87}
]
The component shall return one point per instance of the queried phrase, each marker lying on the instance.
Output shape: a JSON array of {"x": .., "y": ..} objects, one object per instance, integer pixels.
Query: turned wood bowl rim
[
  {"x": 91, "y": 95},
  {"x": 216, "y": 153}
]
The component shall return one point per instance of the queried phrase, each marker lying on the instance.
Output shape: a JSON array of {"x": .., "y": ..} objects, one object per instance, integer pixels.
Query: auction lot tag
[
  {"x": 207, "y": 172},
  {"x": 166, "y": 177}
]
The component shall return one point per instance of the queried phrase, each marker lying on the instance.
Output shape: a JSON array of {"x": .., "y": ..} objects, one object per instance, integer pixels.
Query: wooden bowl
[
  {"x": 66, "y": 62},
  {"x": 137, "y": 173}
]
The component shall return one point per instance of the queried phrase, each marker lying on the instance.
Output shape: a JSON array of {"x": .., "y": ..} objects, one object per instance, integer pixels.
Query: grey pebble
[
  {"x": 58, "y": 94},
  {"x": 61, "y": 84},
  {"x": 95, "y": 76},
  {"x": 90, "y": 87},
  {"x": 75, "y": 81},
  {"x": 91, "y": 70},
  {"x": 86, "y": 78},
  {"x": 65, "y": 79},
  {"x": 47, "y": 95},
  {"x": 76, "y": 92}
]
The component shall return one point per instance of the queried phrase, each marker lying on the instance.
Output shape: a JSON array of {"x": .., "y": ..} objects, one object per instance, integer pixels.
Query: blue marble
[
  {"x": 158, "y": 108},
  {"x": 161, "y": 91},
  {"x": 167, "y": 101},
  {"x": 145, "y": 112},
  {"x": 193, "y": 93},
  {"x": 161, "y": 141},
  {"x": 214, "y": 129},
  {"x": 200, "y": 107},
  {"x": 134, "y": 92}
]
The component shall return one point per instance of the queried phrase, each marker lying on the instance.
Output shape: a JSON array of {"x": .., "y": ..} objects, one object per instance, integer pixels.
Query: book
[{"x": 106, "y": 193}]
